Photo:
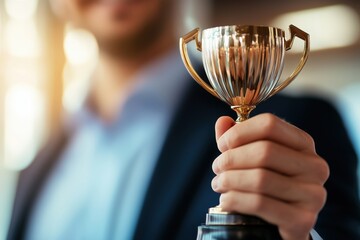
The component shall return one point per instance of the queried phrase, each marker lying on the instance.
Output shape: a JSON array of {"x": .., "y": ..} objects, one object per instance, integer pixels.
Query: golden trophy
[{"x": 243, "y": 65}]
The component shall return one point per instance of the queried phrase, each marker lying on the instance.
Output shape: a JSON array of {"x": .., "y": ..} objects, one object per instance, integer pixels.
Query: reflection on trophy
[{"x": 243, "y": 65}]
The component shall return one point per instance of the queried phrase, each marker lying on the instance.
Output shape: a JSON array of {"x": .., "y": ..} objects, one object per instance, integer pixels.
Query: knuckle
[
  {"x": 307, "y": 221},
  {"x": 321, "y": 169},
  {"x": 309, "y": 139},
  {"x": 320, "y": 195},
  {"x": 265, "y": 149},
  {"x": 269, "y": 123},
  {"x": 324, "y": 170}
]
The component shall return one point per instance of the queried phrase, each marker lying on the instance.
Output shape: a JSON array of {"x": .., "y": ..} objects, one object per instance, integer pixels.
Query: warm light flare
[
  {"x": 329, "y": 27},
  {"x": 24, "y": 110},
  {"x": 21, "y": 9},
  {"x": 22, "y": 39},
  {"x": 81, "y": 51},
  {"x": 80, "y": 46}
]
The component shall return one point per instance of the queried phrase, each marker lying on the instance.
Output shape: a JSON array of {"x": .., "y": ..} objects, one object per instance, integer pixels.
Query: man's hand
[{"x": 269, "y": 168}]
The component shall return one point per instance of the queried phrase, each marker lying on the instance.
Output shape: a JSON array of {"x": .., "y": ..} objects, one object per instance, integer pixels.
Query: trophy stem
[{"x": 242, "y": 112}]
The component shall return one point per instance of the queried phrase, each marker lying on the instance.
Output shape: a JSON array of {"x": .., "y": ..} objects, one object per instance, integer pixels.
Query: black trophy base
[
  {"x": 233, "y": 226},
  {"x": 236, "y": 232}
]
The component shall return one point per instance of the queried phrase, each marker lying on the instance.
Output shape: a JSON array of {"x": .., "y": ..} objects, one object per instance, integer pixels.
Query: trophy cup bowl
[{"x": 243, "y": 65}]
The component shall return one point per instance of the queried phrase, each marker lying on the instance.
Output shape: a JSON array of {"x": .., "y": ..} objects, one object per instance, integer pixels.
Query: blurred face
[{"x": 121, "y": 25}]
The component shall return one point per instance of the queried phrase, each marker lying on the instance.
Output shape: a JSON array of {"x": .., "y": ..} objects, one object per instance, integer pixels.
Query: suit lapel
[
  {"x": 175, "y": 177},
  {"x": 30, "y": 182}
]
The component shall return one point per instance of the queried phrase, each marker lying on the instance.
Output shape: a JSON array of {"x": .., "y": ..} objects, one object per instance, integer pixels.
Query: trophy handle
[
  {"x": 295, "y": 32},
  {"x": 193, "y": 35}
]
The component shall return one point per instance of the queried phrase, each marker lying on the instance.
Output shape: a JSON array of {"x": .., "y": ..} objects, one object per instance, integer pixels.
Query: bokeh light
[
  {"x": 329, "y": 27},
  {"x": 22, "y": 39},
  {"x": 24, "y": 111},
  {"x": 81, "y": 51},
  {"x": 80, "y": 46},
  {"x": 21, "y": 9}
]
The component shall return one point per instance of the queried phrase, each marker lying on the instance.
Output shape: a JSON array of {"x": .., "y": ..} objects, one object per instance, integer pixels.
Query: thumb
[{"x": 222, "y": 125}]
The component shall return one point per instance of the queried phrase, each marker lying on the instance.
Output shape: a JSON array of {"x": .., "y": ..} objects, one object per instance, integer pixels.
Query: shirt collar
[{"x": 159, "y": 86}]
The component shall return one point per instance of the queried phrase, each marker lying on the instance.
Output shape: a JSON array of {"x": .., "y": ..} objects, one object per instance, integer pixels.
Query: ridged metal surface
[{"x": 243, "y": 63}]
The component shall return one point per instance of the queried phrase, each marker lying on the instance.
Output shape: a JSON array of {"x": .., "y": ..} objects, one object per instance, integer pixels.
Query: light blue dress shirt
[{"x": 97, "y": 188}]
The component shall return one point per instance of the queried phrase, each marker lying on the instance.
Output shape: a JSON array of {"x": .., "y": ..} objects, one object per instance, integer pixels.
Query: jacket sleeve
[{"x": 340, "y": 217}]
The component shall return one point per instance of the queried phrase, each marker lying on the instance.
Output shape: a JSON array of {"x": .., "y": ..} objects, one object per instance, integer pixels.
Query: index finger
[{"x": 265, "y": 127}]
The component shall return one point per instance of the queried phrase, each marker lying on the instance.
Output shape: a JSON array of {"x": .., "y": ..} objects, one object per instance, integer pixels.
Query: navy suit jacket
[{"x": 180, "y": 194}]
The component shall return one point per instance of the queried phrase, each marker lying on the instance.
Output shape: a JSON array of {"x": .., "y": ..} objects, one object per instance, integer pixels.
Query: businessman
[{"x": 140, "y": 160}]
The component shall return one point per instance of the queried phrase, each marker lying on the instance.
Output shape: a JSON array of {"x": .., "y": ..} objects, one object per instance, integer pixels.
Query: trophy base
[{"x": 222, "y": 225}]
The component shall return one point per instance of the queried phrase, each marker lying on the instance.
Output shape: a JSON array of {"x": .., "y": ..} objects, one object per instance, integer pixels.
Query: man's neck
[{"x": 114, "y": 77}]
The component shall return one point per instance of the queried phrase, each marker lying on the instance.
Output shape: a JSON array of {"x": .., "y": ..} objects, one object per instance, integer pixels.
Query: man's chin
[{"x": 120, "y": 47}]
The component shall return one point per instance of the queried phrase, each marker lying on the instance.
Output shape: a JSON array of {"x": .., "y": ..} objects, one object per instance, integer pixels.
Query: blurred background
[{"x": 45, "y": 64}]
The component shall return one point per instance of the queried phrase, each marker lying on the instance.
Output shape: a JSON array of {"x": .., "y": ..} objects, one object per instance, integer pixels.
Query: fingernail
[
  {"x": 214, "y": 183},
  {"x": 215, "y": 166},
  {"x": 221, "y": 200},
  {"x": 221, "y": 144}
]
